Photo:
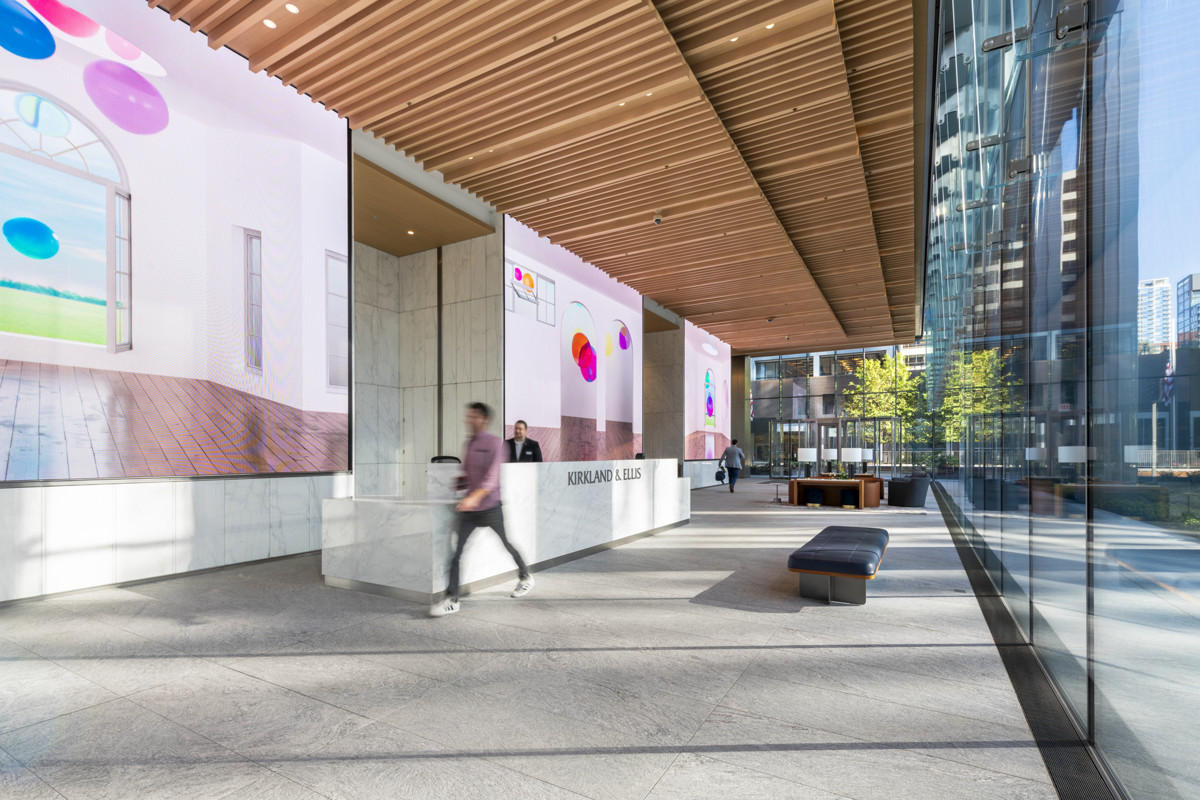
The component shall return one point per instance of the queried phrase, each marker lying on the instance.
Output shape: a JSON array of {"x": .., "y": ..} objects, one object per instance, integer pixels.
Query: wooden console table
[{"x": 868, "y": 490}]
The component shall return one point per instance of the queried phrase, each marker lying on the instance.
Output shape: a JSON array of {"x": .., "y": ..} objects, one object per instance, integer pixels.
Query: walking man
[
  {"x": 732, "y": 458},
  {"x": 480, "y": 508}
]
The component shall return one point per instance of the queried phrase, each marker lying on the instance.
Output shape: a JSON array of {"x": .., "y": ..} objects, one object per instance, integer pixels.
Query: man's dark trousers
[{"x": 468, "y": 521}]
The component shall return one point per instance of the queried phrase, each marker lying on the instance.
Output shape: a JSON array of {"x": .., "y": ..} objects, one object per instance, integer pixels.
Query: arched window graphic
[
  {"x": 580, "y": 367},
  {"x": 65, "y": 264},
  {"x": 618, "y": 390}
]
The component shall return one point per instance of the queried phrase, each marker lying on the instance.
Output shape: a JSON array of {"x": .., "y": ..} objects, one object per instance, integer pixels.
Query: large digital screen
[
  {"x": 173, "y": 265},
  {"x": 572, "y": 352},
  {"x": 706, "y": 414}
]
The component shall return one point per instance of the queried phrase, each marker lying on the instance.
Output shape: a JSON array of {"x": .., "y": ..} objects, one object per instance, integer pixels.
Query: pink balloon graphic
[
  {"x": 517, "y": 273},
  {"x": 587, "y": 362},
  {"x": 122, "y": 47},
  {"x": 65, "y": 18},
  {"x": 125, "y": 97}
]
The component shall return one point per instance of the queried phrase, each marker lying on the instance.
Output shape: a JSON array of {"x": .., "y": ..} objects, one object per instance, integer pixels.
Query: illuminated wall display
[
  {"x": 572, "y": 352},
  {"x": 706, "y": 368},
  {"x": 173, "y": 266}
]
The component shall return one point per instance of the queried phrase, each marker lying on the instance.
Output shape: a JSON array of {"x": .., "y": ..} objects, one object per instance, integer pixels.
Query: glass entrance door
[{"x": 784, "y": 442}]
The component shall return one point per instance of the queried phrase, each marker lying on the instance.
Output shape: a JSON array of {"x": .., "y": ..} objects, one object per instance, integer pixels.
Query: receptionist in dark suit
[{"x": 521, "y": 448}]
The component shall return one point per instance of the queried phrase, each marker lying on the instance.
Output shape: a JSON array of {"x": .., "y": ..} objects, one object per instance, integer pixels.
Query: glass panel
[
  {"x": 337, "y": 311},
  {"x": 339, "y": 371},
  {"x": 337, "y": 277}
]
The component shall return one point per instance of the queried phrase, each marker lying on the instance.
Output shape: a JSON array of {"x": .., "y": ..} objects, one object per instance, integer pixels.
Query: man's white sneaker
[
  {"x": 523, "y": 587},
  {"x": 445, "y": 607}
]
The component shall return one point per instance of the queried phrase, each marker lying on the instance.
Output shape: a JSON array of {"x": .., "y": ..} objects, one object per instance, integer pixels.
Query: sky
[
  {"x": 74, "y": 208},
  {"x": 1168, "y": 138}
]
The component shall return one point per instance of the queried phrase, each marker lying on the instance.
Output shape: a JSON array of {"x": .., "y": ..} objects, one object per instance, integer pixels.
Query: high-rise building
[
  {"x": 1187, "y": 310},
  {"x": 1155, "y": 320}
]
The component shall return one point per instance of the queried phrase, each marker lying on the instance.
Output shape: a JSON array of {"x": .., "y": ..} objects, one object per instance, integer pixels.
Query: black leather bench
[{"x": 837, "y": 563}]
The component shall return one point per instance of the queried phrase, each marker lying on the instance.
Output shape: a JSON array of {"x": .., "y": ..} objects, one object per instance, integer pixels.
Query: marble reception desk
[{"x": 553, "y": 512}]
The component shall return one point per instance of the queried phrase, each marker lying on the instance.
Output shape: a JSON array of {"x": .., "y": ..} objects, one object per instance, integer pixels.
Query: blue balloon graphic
[
  {"x": 30, "y": 237},
  {"x": 23, "y": 34}
]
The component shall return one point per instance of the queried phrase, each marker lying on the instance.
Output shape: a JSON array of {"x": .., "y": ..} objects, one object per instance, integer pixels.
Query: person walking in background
[
  {"x": 521, "y": 448},
  {"x": 732, "y": 459},
  {"x": 480, "y": 508}
]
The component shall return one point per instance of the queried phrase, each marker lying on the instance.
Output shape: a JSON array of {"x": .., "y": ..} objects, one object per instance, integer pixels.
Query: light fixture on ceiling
[
  {"x": 410, "y": 233},
  {"x": 770, "y": 319},
  {"x": 292, "y": 8},
  {"x": 620, "y": 104},
  {"x": 734, "y": 39},
  {"x": 658, "y": 218},
  {"x": 649, "y": 93},
  {"x": 269, "y": 23},
  {"x": 772, "y": 25}
]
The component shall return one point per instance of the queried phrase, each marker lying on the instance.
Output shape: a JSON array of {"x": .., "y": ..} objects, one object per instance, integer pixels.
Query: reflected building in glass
[{"x": 1065, "y": 146}]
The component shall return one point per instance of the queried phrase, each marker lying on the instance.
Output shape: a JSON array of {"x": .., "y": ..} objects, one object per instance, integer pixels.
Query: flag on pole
[{"x": 1168, "y": 384}]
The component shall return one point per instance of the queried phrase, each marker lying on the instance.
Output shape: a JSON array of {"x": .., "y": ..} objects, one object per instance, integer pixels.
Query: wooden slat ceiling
[{"x": 774, "y": 136}]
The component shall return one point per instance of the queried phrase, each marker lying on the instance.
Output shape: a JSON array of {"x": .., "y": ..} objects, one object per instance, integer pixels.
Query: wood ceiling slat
[
  {"x": 782, "y": 160},
  {"x": 469, "y": 58}
]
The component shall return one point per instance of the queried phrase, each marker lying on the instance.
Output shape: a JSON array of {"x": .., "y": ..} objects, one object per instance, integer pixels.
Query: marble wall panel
[
  {"x": 22, "y": 515},
  {"x": 247, "y": 520},
  {"x": 199, "y": 525},
  {"x": 145, "y": 531},
  {"x": 79, "y": 537}
]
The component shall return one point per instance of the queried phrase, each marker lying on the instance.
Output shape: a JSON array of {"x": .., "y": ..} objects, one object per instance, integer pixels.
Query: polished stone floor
[{"x": 681, "y": 666}]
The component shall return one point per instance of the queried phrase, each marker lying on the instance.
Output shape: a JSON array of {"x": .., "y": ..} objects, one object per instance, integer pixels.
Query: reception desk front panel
[{"x": 553, "y": 512}]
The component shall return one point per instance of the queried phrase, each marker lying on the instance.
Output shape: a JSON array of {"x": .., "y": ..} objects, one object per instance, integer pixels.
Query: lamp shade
[
  {"x": 868, "y": 454},
  {"x": 829, "y": 454},
  {"x": 1072, "y": 454},
  {"x": 807, "y": 454},
  {"x": 852, "y": 454},
  {"x": 1035, "y": 454}
]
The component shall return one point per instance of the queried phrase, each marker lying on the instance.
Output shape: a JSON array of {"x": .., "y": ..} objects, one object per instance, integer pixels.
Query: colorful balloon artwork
[
  {"x": 125, "y": 97},
  {"x": 31, "y": 237},
  {"x": 584, "y": 355},
  {"x": 121, "y": 47},
  {"x": 710, "y": 403},
  {"x": 577, "y": 324},
  {"x": 22, "y": 33},
  {"x": 42, "y": 115},
  {"x": 65, "y": 18},
  {"x": 624, "y": 339}
]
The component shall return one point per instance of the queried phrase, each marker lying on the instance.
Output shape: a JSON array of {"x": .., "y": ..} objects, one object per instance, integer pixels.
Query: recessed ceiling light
[
  {"x": 620, "y": 104},
  {"x": 772, "y": 25},
  {"x": 292, "y": 8},
  {"x": 269, "y": 23},
  {"x": 649, "y": 93},
  {"x": 410, "y": 233},
  {"x": 734, "y": 39}
]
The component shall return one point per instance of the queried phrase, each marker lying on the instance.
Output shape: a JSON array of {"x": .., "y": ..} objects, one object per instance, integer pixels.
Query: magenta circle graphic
[
  {"x": 587, "y": 362},
  {"x": 121, "y": 47},
  {"x": 65, "y": 18},
  {"x": 125, "y": 97},
  {"x": 709, "y": 407},
  {"x": 623, "y": 338},
  {"x": 517, "y": 273}
]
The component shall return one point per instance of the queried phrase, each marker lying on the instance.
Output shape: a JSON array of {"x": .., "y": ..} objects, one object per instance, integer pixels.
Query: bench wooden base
[{"x": 828, "y": 588}]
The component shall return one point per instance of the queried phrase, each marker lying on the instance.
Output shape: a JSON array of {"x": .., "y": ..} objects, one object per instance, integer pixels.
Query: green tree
[
  {"x": 978, "y": 383},
  {"x": 885, "y": 388}
]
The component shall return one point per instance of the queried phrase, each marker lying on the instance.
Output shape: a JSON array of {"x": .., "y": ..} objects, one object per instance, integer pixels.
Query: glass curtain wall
[
  {"x": 793, "y": 397},
  {"x": 1066, "y": 167}
]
